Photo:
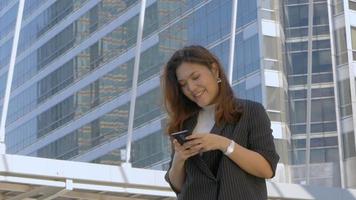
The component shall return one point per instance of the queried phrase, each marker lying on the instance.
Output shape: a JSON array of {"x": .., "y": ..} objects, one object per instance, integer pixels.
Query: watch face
[{"x": 230, "y": 148}]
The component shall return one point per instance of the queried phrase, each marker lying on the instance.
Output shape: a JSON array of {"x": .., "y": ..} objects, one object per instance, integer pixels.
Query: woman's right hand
[{"x": 183, "y": 152}]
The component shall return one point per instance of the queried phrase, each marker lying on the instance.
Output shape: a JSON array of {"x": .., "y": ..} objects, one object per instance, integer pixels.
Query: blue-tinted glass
[
  {"x": 254, "y": 94},
  {"x": 297, "y": 32},
  {"x": 69, "y": 37},
  {"x": 22, "y": 136},
  {"x": 22, "y": 104},
  {"x": 298, "y": 143},
  {"x": 3, "y": 80},
  {"x": 8, "y": 20},
  {"x": 247, "y": 59},
  {"x": 298, "y": 129},
  {"x": 110, "y": 125},
  {"x": 317, "y": 155},
  {"x": 106, "y": 88},
  {"x": 209, "y": 23},
  {"x": 321, "y": 44},
  {"x": 323, "y": 127},
  {"x": 240, "y": 90},
  {"x": 320, "y": 15},
  {"x": 298, "y": 94},
  {"x": 322, "y": 92},
  {"x": 5, "y": 53},
  {"x": 222, "y": 52},
  {"x": 323, "y": 110},
  {"x": 299, "y": 63},
  {"x": 31, "y": 6},
  {"x": 297, "y": 46},
  {"x": 323, "y": 142},
  {"x": 322, "y": 77},
  {"x": 296, "y": 1},
  {"x": 246, "y": 12},
  {"x": 298, "y": 111},
  {"x": 4, "y": 3},
  {"x": 170, "y": 10},
  {"x": 100, "y": 52},
  {"x": 332, "y": 155},
  {"x": 46, "y": 20},
  {"x": 298, "y": 157},
  {"x": 149, "y": 150},
  {"x": 297, "y": 16},
  {"x": 147, "y": 107},
  {"x": 321, "y": 30},
  {"x": 150, "y": 64},
  {"x": 322, "y": 61},
  {"x": 56, "y": 116}
]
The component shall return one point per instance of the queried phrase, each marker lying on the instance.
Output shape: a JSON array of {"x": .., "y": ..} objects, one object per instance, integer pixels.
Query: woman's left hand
[{"x": 208, "y": 142}]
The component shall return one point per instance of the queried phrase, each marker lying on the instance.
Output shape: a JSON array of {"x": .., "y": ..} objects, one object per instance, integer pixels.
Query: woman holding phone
[{"x": 230, "y": 152}]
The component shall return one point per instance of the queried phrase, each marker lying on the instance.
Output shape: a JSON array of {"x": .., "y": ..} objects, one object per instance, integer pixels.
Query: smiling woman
[
  {"x": 198, "y": 83},
  {"x": 230, "y": 152}
]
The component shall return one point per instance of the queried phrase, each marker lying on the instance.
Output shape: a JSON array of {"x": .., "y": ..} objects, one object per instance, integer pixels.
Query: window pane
[
  {"x": 299, "y": 63},
  {"x": 322, "y": 61},
  {"x": 317, "y": 155},
  {"x": 353, "y": 35},
  {"x": 352, "y": 5},
  {"x": 340, "y": 46},
  {"x": 323, "y": 110},
  {"x": 349, "y": 145},
  {"x": 297, "y": 15},
  {"x": 320, "y": 14},
  {"x": 298, "y": 157},
  {"x": 298, "y": 112},
  {"x": 332, "y": 155}
]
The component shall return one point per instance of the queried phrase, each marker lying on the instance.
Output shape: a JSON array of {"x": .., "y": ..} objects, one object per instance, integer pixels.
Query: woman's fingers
[
  {"x": 185, "y": 151},
  {"x": 192, "y": 143}
]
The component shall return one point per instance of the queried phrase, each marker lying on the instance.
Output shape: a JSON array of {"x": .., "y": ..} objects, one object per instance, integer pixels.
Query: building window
[
  {"x": 352, "y": 4},
  {"x": 353, "y": 37}
]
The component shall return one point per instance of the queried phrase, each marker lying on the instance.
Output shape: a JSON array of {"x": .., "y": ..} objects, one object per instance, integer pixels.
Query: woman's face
[{"x": 198, "y": 82}]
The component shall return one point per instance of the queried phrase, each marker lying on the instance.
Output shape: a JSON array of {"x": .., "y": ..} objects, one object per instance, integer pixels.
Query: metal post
[
  {"x": 336, "y": 96},
  {"x": 10, "y": 75},
  {"x": 232, "y": 41},
  {"x": 135, "y": 80},
  {"x": 309, "y": 84}
]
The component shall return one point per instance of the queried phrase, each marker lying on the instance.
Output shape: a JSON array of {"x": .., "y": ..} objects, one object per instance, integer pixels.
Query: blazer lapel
[
  {"x": 218, "y": 129},
  {"x": 197, "y": 159}
]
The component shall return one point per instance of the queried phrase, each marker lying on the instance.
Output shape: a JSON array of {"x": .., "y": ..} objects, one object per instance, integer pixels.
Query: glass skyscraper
[{"x": 70, "y": 96}]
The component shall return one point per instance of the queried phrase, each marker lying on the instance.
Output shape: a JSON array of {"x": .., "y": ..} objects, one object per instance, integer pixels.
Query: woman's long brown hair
[{"x": 178, "y": 106}]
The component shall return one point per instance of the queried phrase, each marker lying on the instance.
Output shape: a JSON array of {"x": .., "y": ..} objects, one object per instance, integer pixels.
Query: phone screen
[{"x": 180, "y": 136}]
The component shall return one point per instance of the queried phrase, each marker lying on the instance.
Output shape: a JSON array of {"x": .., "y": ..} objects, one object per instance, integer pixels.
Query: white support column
[
  {"x": 336, "y": 95},
  {"x": 309, "y": 84},
  {"x": 232, "y": 41},
  {"x": 10, "y": 75},
  {"x": 135, "y": 80}
]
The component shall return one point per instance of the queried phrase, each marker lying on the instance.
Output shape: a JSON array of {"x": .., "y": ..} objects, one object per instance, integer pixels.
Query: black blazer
[{"x": 214, "y": 176}]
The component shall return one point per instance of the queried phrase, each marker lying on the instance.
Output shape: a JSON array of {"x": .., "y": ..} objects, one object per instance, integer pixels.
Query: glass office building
[{"x": 70, "y": 96}]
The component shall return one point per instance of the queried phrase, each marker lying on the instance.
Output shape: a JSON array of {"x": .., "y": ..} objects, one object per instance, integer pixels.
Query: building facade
[{"x": 70, "y": 96}]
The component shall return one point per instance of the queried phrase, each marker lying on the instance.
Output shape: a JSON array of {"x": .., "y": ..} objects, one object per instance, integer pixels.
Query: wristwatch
[{"x": 230, "y": 148}]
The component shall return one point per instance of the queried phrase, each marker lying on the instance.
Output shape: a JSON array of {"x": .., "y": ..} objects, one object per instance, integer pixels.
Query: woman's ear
[{"x": 215, "y": 70}]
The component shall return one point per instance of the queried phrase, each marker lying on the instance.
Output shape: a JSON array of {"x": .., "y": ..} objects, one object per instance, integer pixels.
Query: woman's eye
[{"x": 195, "y": 77}]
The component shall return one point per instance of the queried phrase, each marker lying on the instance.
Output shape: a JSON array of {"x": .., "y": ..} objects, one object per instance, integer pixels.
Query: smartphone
[{"x": 180, "y": 136}]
